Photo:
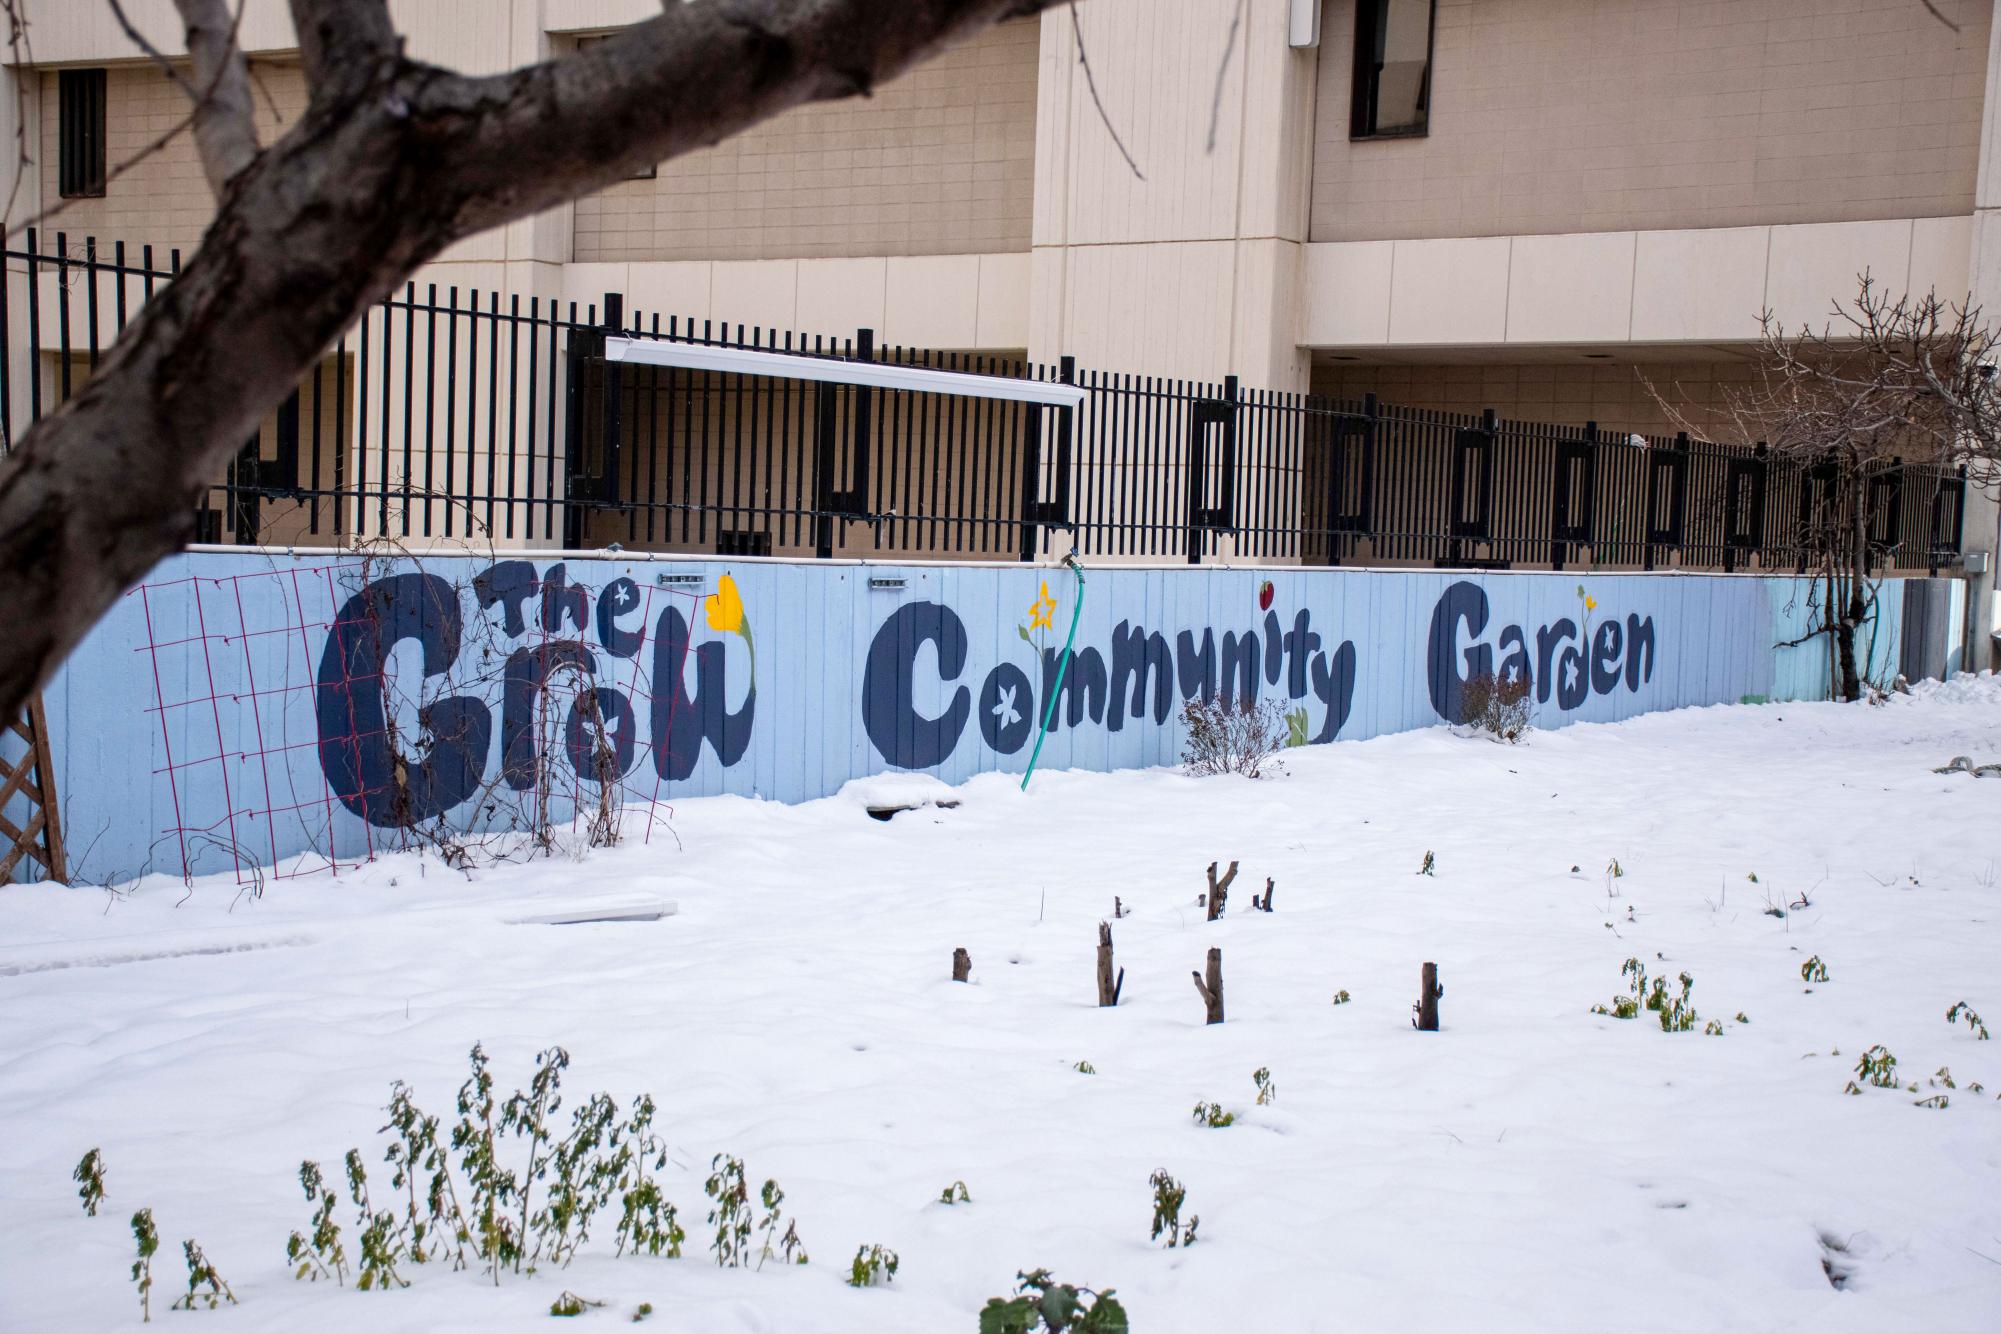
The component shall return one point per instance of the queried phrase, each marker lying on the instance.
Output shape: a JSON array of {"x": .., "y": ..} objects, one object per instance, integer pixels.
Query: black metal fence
[{"x": 462, "y": 416}]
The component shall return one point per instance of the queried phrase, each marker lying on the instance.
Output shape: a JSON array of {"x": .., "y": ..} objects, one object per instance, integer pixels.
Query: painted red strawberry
[{"x": 1264, "y": 596}]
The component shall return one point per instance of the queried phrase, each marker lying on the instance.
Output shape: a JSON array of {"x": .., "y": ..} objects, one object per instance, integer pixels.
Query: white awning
[{"x": 789, "y": 366}]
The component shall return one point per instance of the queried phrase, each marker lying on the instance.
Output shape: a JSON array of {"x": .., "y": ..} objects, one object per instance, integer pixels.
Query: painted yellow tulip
[{"x": 725, "y": 608}]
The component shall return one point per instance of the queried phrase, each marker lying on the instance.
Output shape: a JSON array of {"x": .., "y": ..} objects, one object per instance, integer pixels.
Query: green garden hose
[{"x": 1056, "y": 692}]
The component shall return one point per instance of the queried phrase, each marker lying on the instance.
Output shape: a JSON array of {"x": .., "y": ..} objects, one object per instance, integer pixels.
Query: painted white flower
[{"x": 1005, "y": 710}]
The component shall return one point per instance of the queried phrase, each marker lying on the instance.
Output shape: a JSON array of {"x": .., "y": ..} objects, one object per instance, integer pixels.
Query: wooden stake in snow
[
  {"x": 1428, "y": 992},
  {"x": 1219, "y": 891},
  {"x": 1108, "y": 989},
  {"x": 962, "y": 964},
  {"x": 1212, "y": 988}
]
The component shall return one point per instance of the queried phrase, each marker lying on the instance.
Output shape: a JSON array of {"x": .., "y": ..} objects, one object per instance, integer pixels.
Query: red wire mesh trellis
[{"x": 241, "y": 667}]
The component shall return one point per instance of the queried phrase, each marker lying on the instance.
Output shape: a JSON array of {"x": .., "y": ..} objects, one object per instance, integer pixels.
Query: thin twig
[
  {"x": 23, "y": 52},
  {"x": 1222, "y": 70},
  {"x": 1090, "y": 81},
  {"x": 153, "y": 53},
  {"x": 199, "y": 99}
]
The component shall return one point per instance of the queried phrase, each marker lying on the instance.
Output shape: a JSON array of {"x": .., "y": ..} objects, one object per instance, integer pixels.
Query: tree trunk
[
  {"x": 1211, "y": 989},
  {"x": 1848, "y": 577},
  {"x": 1219, "y": 890},
  {"x": 392, "y": 161},
  {"x": 1428, "y": 992},
  {"x": 1108, "y": 987},
  {"x": 962, "y": 964}
]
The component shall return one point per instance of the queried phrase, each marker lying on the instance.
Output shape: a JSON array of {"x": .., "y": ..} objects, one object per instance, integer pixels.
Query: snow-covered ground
[{"x": 1532, "y": 1167}]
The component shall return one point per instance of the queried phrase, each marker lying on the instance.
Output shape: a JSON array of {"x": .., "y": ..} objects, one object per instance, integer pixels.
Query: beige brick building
[{"x": 1528, "y": 205}]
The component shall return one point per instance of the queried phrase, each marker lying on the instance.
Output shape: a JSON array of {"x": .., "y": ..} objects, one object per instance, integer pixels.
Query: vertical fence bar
[{"x": 35, "y": 329}]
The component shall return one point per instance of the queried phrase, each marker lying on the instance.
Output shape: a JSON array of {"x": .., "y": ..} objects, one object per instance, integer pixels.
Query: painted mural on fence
[{"x": 264, "y": 710}]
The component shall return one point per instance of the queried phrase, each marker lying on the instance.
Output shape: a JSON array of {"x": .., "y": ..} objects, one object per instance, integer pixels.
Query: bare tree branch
[
  {"x": 392, "y": 161},
  {"x": 225, "y": 128},
  {"x": 153, "y": 53},
  {"x": 1222, "y": 70},
  {"x": 342, "y": 43},
  {"x": 201, "y": 98},
  {"x": 22, "y": 52},
  {"x": 1938, "y": 14},
  {"x": 1091, "y": 82},
  {"x": 1887, "y": 380},
  {"x": 62, "y": 206},
  {"x": 685, "y": 79}
]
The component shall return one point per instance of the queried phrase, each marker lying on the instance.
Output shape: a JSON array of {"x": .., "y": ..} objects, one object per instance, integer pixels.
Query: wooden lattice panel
[{"x": 33, "y": 777}]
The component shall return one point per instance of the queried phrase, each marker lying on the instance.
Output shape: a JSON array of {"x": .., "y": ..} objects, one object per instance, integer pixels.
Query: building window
[
  {"x": 80, "y": 132},
  {"x": 1392, "y": 91}
]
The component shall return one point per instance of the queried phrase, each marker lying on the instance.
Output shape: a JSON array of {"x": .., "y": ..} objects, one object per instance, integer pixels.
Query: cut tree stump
[
  {"x": 962, "y": 964},
  {"x": 1264, "y": 904},
  {"x": 1212, "y": 988},
  {"x": 1428, "y": 992},
  {"x": 1108, "y": 987},
  {"x": 1219, "y": 890}
]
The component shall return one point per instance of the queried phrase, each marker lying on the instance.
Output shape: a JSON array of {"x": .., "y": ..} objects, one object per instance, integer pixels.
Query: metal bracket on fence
[{"x": 1204, "y": 414}]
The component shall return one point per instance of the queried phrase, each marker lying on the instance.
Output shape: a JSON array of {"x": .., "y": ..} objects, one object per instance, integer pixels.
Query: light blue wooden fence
[{"x": 256, "y": 709}]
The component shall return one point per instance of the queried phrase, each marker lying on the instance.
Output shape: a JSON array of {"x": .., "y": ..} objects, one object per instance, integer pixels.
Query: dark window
[
  {"x": 1392, "y": 90},
  {"x": 743, "y": 542},
  {"x": 80, "y": 132}
]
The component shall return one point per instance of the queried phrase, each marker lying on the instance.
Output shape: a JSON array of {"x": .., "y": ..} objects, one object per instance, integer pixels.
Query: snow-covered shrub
[
  {"x": 1231, "y": 736},
  {"x": 1212, "y": 1115},
  {"x": 956, "y": 1193},
  {"x": 1168, "y": 1197},
  {"x": 1877, "y": 1067},
  {"x": 647, "y": 1222},
  {"x": 205, "y": 1286},
  {"x": 568, "y": 1303},
  {"x": 1043, "y": 1304},
  {"x": 1267, "y": 1089},
  {"x": 383, "y": 1239},
  {"x": 788, "y": 1246},
  {"x": 145, "y": 1241},
  {"x": 89, "y": 1176},
  {"x": 872, "y": 1265},
  {"x": 320, "y": 1255},
  {"x": 731, "y": 1215},
  {"x": 490, "y": 1186},
  {"x": 1813, "y": 970},
  {"x": 1960, "y": 1010},
  {"x": 1676, "y": 1013},
  {"x": 439, "y": 1227},
  {"x": 1498, "y": 706}
]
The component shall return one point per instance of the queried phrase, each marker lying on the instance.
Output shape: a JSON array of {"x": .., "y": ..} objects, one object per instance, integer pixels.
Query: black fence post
[
  {"x": 1666, "y": 477},
  {"x": 1204, "y": 413},
  {"x": 826, "y": 453},
  {"x": 1574, "y": 491},
  {"x": 1066, "y": 434},
  {"x": 853, "y": 501}
]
